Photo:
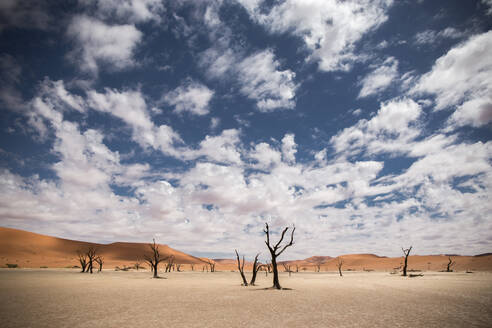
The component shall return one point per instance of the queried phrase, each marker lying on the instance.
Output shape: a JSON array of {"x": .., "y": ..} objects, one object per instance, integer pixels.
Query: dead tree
[
  {"x": 339, "y": 265},
  {"x": 240, "y": 267},
  {"x": 406, "y": 252},
  {"x": 256, "y": 268},
  {"x": 82, "y": 260},
  {"x": 170, "y": 263},
  {"x": 275, "y": 252},
  {"x": 297, "y": 267},
  {"x": 138, "y": 264},
  {"x": 210, "y": 263},
  {"x": 91, "y": 257},
  {"x": 450, "y": 264},
  {"x": 178, "y": 267},
  {"x": 154, "y": 258},
  {"x": 318, "y": 267},
  {"x": 99, "y": 260},
  {"x": 192, "y": 267}
]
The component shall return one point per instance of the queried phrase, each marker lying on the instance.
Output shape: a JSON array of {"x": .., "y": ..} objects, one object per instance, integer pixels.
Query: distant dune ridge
[{"x": 32, "y": 250}]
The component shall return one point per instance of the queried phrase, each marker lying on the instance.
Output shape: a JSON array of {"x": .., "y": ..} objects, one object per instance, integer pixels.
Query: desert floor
[{"x": 66, "y": 298}]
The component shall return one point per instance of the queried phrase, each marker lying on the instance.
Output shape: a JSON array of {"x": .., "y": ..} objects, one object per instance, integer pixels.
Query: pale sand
[{"x": 66, "y": 298}]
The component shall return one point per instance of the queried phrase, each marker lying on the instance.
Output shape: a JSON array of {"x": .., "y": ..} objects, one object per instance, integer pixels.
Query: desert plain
[{"x": 67, "y": 298}]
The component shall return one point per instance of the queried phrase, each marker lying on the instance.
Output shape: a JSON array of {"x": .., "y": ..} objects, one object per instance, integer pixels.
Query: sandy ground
[{"x": 66, "y": 298}]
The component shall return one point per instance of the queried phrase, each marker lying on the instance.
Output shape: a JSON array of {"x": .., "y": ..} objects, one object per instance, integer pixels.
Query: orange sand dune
[{"x": 32, "y": 250}]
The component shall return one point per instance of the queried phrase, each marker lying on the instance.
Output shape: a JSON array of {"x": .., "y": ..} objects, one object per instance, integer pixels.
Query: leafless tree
[
  {"x": 256, "y": 268},
  {"x": 82, "y": 260},
  {"x": 192, "y": 267},
  {"x": 450, "y": 264},
  {"x": 339, "y": 265},
  {"x": 297, "y": 267},
  {"x": 318, "y": 267},
  {"x": 99, "y": 260},
  {"x": 276, "y": 250},
  {"x": 210, "y": 263},
  {"x": 240, "y": 267},
  {"x": 91, "y": 257},
  {"x": 170, "y": 263},
  {"x": 406, "y": 252},
  {"x": 154, "y": 258},
  {"x": 178, "y": 267},
  {"x": 138, "y": 264}
]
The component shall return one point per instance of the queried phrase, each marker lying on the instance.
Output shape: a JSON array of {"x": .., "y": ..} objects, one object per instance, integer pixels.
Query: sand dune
[{"x": 31, "y": 250}]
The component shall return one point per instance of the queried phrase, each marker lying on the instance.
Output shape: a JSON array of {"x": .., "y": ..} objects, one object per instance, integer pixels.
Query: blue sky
[{"x": 367, "y": 124}]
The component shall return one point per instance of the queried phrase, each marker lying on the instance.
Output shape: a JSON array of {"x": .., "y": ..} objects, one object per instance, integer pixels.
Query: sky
[{"x": 364, "y": 124}]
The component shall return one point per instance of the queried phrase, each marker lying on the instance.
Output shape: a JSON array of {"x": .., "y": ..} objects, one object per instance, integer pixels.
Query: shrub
[{"x": 10, "y": 265}]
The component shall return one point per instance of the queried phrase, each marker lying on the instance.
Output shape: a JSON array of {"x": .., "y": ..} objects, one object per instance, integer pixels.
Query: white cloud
[
  {"x": 134, "y": 11},
  {"x": 432, "y": 37},
  {"x": 380, "y": 78},
  {"x": 98, "y": 43},
  {"x": 462, "y": 78},
  {"x": 262, "y": 81},
  {"x": 192, "y": 97},
  {"x": 214, "y": 123},
  {"x": 289, "y": 148},
  {"x": 392, "y": 130},
  {"x": 329, "y": 28},
  {"x": 131, "y": 108}
]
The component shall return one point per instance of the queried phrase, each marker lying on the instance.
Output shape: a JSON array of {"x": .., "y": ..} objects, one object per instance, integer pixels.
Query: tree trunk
[
  {"x": 276, "y": 282},
  {"x": 155, "y": 270}
]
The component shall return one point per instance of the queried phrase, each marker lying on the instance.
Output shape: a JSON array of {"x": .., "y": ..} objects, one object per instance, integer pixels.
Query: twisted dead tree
[
  {"x": 99, "y": 260},
  {"x": 82, "y": 260},
  {"x": 240, "y": 267},
  {"x": 450, "y": 264},
  {"x": 339, "y": 265},
  {"x": 91, "y": 257},
  {"x": 154, "y": 258},
  {"x": 406, "y": 252},
  {"x": 276, "y": 250},
  {"x": 256, "y": 268}
]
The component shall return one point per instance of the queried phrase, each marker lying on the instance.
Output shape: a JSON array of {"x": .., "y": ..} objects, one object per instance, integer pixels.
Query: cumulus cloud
[
  {"x": 192, "y": 97},
  {"x": 131, "y": 107},
  {"x": 380, "y": 78},
  {"x": 392, "y": 130},
  {"x": 329, "y": 29},
  {"x": 99, "y": 43},
  {"x": 261, "y": 80},
  {"x": 462, "y": 78}
]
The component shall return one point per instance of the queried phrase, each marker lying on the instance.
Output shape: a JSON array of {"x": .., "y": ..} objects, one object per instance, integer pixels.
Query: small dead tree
[
  {"x": 99, "y": 260},
  {"x": 178, "y": 267},
  {"x": 318, "y": 267},
  {"x": 450, "y": 264},
  {"x": 138, "y": 264},
  {"x": 240, "y": 267},
  {"x": 91, "y": 257},
  {"x": 297, "y": 267},
  {"x": 256, "y": 268},
  {"x": 406, "y": 252},
  {"x": 339, "y": 265},
  {"x": 154, "y": 258},
  {"x": 82, "y": 260},
  {"x": 170, "y": 263},
  {"x": 211, "y": 264},
  {"x": 276, "y": 250},
  {"x": 192, "y": 267}
]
